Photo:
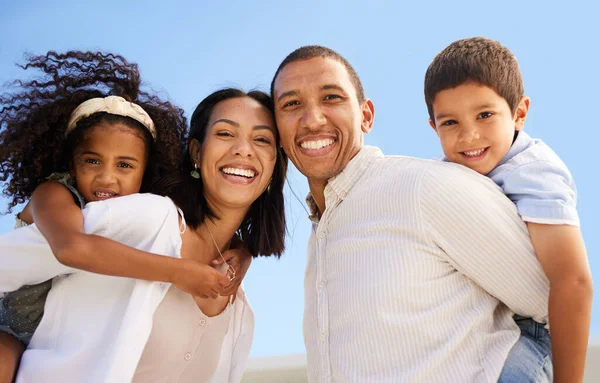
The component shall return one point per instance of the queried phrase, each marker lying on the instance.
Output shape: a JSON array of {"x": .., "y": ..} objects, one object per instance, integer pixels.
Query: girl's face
[
  {"x": 110, "y": 162},
  {"x": 238, "y": 155}
]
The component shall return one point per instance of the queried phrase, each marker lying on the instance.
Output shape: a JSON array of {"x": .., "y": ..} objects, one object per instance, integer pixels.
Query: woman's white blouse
[{"x": 95, "y": 327}]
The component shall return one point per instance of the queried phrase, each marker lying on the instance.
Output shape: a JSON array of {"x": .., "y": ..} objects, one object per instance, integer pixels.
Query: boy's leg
[
  {"x": 11, "y": 350},
  {"x": 530, "y": 359}
]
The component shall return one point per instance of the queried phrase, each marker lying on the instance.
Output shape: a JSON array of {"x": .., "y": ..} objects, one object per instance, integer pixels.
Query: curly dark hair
[{"x": 34, "y": 118}]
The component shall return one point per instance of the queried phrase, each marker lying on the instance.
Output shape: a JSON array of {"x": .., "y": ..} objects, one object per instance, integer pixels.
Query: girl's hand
[
  {"x": 239, "y": 259},
  {"x": 200, "y": 280}
]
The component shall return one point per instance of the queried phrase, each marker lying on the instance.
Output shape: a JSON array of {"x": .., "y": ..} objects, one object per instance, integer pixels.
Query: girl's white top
[{"x": 95, "y": 327}]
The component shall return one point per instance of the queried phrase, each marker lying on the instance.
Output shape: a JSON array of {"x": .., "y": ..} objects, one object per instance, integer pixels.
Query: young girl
[{"x": 83, "y": 133}]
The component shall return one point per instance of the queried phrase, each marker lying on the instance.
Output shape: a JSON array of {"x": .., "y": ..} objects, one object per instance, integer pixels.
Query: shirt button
[
  {"x": 187, "y": 356},
  {"x": 202, "y": 322},
  {"x": 323, "y": 337},
  {"x": 323, "y": 234},
  {"x": 321, "y": 284}
]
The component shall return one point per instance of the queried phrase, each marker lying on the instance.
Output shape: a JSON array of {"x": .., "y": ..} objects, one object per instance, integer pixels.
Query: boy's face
[{"x": 475, "y": 125}]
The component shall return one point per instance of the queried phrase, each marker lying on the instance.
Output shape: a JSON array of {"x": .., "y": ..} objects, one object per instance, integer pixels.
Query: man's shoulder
[{"x": 434, "y": 170}]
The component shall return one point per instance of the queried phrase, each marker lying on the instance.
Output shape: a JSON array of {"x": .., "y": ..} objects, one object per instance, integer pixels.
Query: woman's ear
[{"x": 195, "y": 150}]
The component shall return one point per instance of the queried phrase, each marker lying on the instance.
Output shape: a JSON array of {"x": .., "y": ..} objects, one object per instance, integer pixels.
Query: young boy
[{"x": 474, "y": 96}]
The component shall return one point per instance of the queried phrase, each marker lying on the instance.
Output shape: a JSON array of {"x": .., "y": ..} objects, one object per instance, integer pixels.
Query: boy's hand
[
  {"x": 239, "y": 259},
  {"x": 200, "y": 280}
]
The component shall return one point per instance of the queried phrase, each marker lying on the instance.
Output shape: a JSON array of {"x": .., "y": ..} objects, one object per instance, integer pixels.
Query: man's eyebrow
[
  {"x": 287, "y": 94},
  {"x": 332, "y": 87},
  {"x": 227, "y": 121}
]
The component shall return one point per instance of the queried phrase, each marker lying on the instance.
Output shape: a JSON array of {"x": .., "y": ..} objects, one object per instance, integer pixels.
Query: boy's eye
[
  {"x": 448, "y": 123},
  {"x": 485, "y": 115},
  {"x": 332, "y": 97}
]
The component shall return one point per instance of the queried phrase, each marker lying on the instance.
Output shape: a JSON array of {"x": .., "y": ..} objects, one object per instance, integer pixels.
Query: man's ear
[
  {"x": 368, "y": 116},
  {"x": 521, "y": 113}
]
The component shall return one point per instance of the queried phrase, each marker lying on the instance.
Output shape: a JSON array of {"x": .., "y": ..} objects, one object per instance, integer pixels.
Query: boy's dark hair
[
  {"x": 476, "y": 59},
  {"x": 263, "y": 228},
  {"x": 311, "y": 51},
  {"x": 33, "y": 120}
]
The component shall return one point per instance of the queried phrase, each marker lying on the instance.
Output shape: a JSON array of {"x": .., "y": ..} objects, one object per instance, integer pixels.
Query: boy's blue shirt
[{"x": 538, "y": 182}]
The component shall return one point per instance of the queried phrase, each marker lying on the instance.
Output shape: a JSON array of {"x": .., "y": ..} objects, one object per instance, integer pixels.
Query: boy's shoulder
[{"x": 526, "y": 151}]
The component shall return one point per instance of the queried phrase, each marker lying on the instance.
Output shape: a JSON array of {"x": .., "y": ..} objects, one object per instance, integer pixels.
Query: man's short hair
[
  {"x": 477, "y": 59},
  {"x": 311, "y": 51}
]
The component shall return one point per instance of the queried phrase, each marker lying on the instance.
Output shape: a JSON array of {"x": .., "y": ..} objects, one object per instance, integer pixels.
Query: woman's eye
[
  {"x": 224, "y": 134},
  {"x": 485, "y": 114}
]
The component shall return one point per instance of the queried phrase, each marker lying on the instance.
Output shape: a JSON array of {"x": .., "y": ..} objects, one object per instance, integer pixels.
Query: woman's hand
[{"x": 200, "y": 280}]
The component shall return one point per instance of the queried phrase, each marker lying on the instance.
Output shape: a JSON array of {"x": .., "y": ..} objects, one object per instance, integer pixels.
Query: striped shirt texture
[{"x": 414, "y": 271}]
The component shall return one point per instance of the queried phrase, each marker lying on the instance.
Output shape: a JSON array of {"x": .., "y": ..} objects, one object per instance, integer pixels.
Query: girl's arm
[
  {"x": 561, "y": 252},
  {"x": 60, "y": 220}
]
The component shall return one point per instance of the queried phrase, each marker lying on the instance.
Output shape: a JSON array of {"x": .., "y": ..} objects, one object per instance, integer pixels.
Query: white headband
[{"x": 113, "y": 105}]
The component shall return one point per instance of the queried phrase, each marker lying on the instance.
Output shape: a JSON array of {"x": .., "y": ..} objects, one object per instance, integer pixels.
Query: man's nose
[{"x": 313, "y": 117}]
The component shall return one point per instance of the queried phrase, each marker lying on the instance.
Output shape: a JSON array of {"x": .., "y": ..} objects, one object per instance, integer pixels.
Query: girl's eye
[
  {"x": 124, "y": 165},
  {"x": 264, "y": 140},
  {"x": 91, "y": 161},
  {"x": 484, "y": 115}
]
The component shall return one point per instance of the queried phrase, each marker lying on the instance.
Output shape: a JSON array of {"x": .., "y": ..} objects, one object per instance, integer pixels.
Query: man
[{"x": 413, "y": 265}]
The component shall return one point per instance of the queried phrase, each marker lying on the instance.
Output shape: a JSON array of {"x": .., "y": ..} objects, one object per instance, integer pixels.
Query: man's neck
[{"x": 317, "y": 190}]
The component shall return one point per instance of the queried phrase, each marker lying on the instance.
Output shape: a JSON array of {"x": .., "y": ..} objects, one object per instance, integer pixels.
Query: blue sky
[{"x": 187, "y": 49}]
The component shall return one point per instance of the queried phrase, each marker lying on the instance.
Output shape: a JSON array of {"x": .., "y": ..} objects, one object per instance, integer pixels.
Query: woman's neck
[{"x": 213, "y": 233}]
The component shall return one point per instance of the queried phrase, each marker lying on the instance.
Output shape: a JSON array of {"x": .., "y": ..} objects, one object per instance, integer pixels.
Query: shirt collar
[{"x": 342, "y": 183}]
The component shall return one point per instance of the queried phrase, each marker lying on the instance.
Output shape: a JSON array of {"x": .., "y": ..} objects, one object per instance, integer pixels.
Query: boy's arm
[
  {"x": 561, "y": 252},
  {"x": 60, "y": 220}
]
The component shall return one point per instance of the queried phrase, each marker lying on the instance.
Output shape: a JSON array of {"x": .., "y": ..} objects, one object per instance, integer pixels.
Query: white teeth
[
  {"x": 103, "y": 194},
  {"x": 239, "y": 172},
  {"x": 320, "y": 144},
  {"x": 474, "y": 153}
]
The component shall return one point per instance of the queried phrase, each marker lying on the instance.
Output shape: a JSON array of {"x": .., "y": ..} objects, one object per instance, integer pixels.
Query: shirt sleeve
[
  {"x": 544, "y": 192},
  {"x": 484, "y": 238},
  {"x": 136, "y": 220}
]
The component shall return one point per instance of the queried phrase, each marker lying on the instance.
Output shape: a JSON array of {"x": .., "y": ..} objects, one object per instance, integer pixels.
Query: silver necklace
[{"x": 230, "y": 270}]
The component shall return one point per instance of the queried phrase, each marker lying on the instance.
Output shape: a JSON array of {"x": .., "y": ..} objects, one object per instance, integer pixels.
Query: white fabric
[
  {"x": 407, "y": 270},
  {"x": 184, "y": 344},
  {"x": 95, "y": 327},
  {"x": 113, "y": 105}
]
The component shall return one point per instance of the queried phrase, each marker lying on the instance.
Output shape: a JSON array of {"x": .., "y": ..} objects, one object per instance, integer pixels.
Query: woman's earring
[{"x": 195, "y": 173}]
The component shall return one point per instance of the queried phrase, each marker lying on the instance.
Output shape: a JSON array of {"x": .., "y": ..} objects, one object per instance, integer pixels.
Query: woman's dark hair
[
  {"x": 263, "y": 229},
  {"x": 33, "y": 119}
]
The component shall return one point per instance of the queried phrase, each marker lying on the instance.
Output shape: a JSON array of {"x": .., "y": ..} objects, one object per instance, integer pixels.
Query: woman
[{"x": 108, "y": 329}]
